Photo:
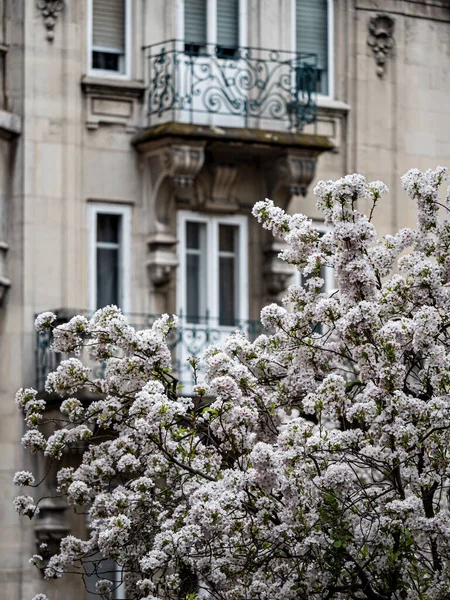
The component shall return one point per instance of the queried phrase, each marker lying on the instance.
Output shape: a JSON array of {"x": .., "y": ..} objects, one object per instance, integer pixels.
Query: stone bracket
[
  {"x": 277, "y": 273},
  {"x": 183, "y": 163},
  {"x": 221, "y": 199},
  {"x": 381, "y": 40},
  {"x": 291, "y": 175}
]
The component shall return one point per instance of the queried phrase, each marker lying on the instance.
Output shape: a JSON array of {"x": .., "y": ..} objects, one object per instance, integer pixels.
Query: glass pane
[
  {"x": 106, "y": 61},
  {"x": 193, "y": 231},
  {"x": 193, "y": 288},
  {"x": 97, "y": 569},
  {"x": 107, "y": 277},
  {"x": 227, "y": 238},
  {"x": 227, "y": 291},
  {"x": 108, "y": 228}
]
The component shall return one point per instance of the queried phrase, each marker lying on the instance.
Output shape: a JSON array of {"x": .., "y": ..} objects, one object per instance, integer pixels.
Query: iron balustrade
[
  {"x": 244, "y": 84},
  {"x": 187, "y": 340}
]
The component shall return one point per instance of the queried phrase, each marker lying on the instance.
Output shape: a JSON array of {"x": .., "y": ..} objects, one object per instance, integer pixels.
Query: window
[
  {"x": 214, "y": 23},
  {"x": 98, "y": 568},
  {"x": 212, "y": 275},
  {"x": 109, "y": 37},
  {"x": 109, "y": 255},
  {"x": 313, "y": 34}
]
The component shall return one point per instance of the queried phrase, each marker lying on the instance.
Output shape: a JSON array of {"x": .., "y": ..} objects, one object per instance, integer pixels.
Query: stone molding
[
  {"x": 381, "y": 40},
  {"x": 49, "y": 10},
  {"x": 113, "y": 101}
]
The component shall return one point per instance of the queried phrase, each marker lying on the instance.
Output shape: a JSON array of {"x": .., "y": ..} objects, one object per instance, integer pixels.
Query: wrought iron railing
[
  {"x": 230, "y": 86},
  {"x": 187, "y": 340}
]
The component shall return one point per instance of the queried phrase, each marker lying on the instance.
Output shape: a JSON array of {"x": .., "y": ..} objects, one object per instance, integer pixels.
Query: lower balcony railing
[
  {"x": 239, "y": 87},
  {"x": 187, "y": 340}
]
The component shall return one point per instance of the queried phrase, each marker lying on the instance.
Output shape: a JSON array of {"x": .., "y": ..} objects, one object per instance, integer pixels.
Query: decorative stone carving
[
  {"x": 51, "y": 525},
  {"x": 381, "y": 40},
  {"x": 223, "y": 180},
  {"x": 50, "y": 10},
  {"x": 291, "y": 175},
  {"x": 5, "y": 283},
  {"x": 183, "y": 162},
  {"x": 277, "y": 273},
  {"x": 162, "y": 260}
]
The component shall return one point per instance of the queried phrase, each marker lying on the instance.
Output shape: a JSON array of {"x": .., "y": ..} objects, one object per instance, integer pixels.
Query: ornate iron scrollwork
[{"x": 253, "y": 83}]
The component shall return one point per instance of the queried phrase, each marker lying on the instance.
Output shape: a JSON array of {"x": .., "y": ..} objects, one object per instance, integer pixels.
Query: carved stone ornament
[
  {"x": 277, "y": 273},
  {"x": 291, "y": 175},
  {"x": 51, "y": 526},
  {"x": 224, "y": 178},
  {"x": 183, "y": 163},
  {"x": 381, "y": 40},
  {"x": 162, "y": 259},
  {"x": 5, "y": 283},
  {"x": 50, "y": 10}
]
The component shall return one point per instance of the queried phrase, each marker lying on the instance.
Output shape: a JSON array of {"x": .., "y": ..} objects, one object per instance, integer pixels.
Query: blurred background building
[{"x": 135, "y": 137}]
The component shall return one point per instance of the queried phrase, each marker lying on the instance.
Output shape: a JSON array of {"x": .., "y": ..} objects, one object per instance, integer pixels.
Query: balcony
[
  {"x": 231, "y": 87},
  {"x": 188, "y": 340}
]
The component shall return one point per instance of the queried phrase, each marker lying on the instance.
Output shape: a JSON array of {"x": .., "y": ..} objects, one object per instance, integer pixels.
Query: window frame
[
  {"x": 90, "y": 47},
  {"x": 124, "y": 211},
  {"x": 211, "y": 22},
  {"x": 212, "y": 257},
  {"x": 330, "y": 36}
]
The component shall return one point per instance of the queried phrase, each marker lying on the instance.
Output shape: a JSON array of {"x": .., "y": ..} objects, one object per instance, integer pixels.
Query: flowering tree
[{"x": 312, "y": 463}]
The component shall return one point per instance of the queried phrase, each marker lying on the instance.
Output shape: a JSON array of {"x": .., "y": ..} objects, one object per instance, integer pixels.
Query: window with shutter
[
  {"x": 227, "y": 27},
  {"x": 195, "y": 25},
  {"x": 109, "y": 35},
  {"x": 225, "y": 35},
  {"x": 312, "y": 35}
]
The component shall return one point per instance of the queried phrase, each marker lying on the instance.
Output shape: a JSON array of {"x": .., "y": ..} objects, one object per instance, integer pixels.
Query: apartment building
[{"x": 135, "y": 137}]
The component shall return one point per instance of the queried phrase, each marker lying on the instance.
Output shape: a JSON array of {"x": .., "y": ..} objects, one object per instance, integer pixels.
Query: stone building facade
[{"x": 129, "y": 165}]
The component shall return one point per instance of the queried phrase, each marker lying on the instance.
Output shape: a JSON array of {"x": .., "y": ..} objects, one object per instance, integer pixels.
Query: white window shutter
[
  {"x": 312, "y": 29},
  {"x": 228, "y": 23},
  {"x": 108, "y": 24},
  {"x": 195, "y": 21}
]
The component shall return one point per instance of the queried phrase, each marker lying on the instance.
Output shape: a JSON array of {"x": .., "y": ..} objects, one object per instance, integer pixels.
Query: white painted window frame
[
  {"x": 123, "y": 210},
  {"x": 101, "y": 72},
  {"x": 330, "y": 33},
  {"x": 212, "y": 256},
  {"x": 211, "y": 22}
]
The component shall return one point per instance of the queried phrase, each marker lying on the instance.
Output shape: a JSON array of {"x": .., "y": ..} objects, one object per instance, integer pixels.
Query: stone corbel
[
  {"x": 51, "y": 525},
  {"x": 5, "y": 283},
  {"x": 173, "y": 170},
  {"x": 183, "y": 162},
  {"x": 291, "y": 176},
  {"x": 162, "y": 258},
  {"x": 277, "y": 273},
  {"x": 222, "y": 184},
  {"x": 381, "y": 40},
  {"x": 50, "y": 10}
]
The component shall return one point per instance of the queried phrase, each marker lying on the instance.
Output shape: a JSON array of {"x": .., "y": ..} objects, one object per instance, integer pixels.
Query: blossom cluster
[{"x": 311, "y": 462}]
